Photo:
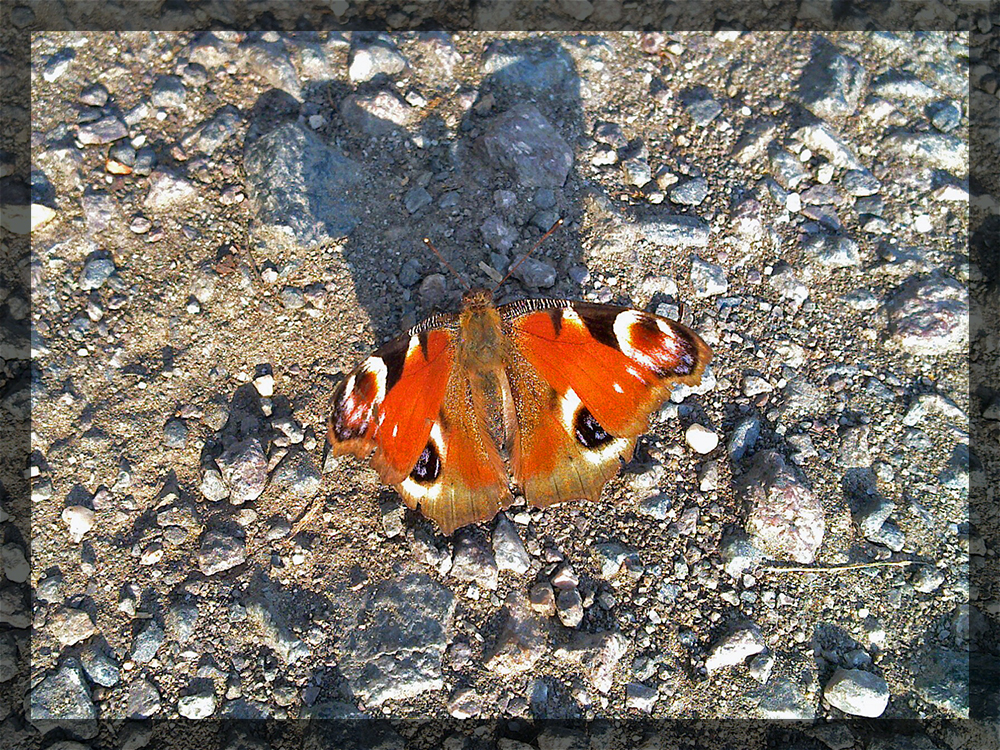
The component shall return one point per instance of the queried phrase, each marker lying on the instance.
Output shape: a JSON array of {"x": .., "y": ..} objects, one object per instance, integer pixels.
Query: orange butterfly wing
[
  {"x": 408, "y": 407},
  {"x": 590, "y": 377}
]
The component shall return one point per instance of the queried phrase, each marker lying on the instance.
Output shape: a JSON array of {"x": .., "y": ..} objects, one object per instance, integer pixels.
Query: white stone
[
  {"x": 264, "y": 385},
  {"x": 701, "y": 439},
  {"x": 79, "y": 519},
  {"x": 196, "y": 706},
  {"x": 857, "y": 692}
]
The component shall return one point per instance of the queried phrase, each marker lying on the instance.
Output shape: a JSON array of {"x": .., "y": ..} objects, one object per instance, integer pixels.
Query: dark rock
[
  {"x": 62, "y": 700},
  {"x": 831, "y": 83},
  {"x": 529, "y": 68},
  {"x": 523, "y": 143},
  {"x": 301, "y": 187}
]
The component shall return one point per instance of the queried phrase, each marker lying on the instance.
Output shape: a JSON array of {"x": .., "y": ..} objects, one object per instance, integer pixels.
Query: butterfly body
[{"x": 549, "y": 395}]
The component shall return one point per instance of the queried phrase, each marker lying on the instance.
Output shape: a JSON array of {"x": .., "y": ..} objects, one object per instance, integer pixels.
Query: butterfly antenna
[
  {"x": 446, "y": 263},
  {"x": 527, "y": 255}
]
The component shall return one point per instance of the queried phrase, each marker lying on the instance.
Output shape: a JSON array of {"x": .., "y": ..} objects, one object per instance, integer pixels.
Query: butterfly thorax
[{"x": 481, "y": 340}]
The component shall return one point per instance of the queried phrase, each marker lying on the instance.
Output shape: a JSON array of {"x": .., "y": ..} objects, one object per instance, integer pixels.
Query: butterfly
[{"x": 547, "y": 394}]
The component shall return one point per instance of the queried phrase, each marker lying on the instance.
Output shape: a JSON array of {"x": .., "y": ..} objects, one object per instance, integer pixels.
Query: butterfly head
[{"x": 477, "y": 299}]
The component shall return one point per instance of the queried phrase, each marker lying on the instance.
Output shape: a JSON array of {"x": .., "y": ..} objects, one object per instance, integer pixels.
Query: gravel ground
[{"x": 225, "y": 224}]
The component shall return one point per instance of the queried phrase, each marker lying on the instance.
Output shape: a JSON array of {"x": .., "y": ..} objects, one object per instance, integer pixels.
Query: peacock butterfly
[{"x": 547, "y": 394}]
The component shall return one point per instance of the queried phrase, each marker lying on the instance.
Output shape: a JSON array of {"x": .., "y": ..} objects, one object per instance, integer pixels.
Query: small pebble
[
  {"x": 79, "y": 519},
  {"x": 701, "y": 439}
]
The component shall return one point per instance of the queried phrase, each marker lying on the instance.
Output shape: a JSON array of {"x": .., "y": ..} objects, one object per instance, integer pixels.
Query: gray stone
[
  {"x": 196, "y": 706},
  {"x": 212, "y": 487},
  {"x": 941, "y": 677},
  {"x": 379, "y": 57},
  {"x": 298, "y": 474},
  {"x": 831, "y": 83},
  {"x": 175, "y": 433},
  {"x": 301, "y": 188},
  {"x": 244, "y": 469},
  {"x": 945, "y": 115},
  {"x": 641, "y": 697},
  {"x": 899, "y": 86},
  {"x": 62, "y": 700},
  {"x": 854, "y": 453},
  {"x": 930, "y": 315},
  {"x": 821, "y": 138},
  {"x": 743, "y": 437},
  {"x": 856, "y": 692},
  {"x": 101, "y": 667},
  {"x": 690, "y": 192},
  {"x": 416, "y": 198},
  {"x": 508, "y": 549},
  {"x": 789, "y": 695},
  {"x": 739, "y": 555},
  {"x": 265, "y": 615},
  {"x": 96, "y": 271},
  {"x": 529, "y": 68},
  {"x": 675, "y": 231},
  {"x": 935, "y": 150},
  {"x": 536, "y": 273},
  {"x": 181, "y": 619},
  {"x": 569, "y": 607},
  {"x": 832, "y": 251},
  {"x": 497, "y": 234},
  {"x": 473, "y": 561},
  {"x": 377, "y": 114},
  {"x": 703, "y": 111},
  {"x": 860, "y": 182},
  {"x": 168, "y": 190},
  {"x": 521, "y": 641},
  {"x": 219, "y": 552},
  {"x": 522, "y": 143},
  {"x": 598, "y": 654},
  {"x": 395, "y": 650},
  {"x": 786, "y": 518},
  {"x": 612, "y": 556},
  {"x": 70, "y": 625},
  {"x": 708, "y": 279},
  {"x": 105, "y": 130},
  {"x": 213, "y": 132},
  {"x": 786, "y": 167},
  {"x": 800, "y": 398},
  {"x": 168, "y": 92},
  {"x": 147, "y": 642},
  {"x": 743, "y": 641},
  {"x": 143, "y": 700}
]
